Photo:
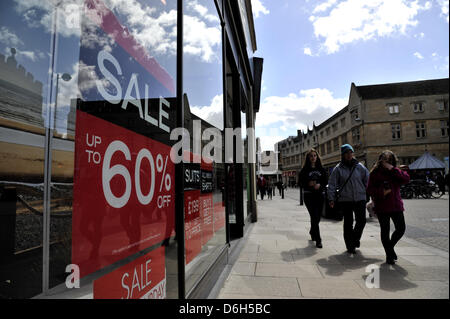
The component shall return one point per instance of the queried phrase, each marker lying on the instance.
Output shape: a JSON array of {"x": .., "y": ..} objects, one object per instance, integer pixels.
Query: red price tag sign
[
  {"x": 192, "y": 224},
  {"x": 124, "y": 191}
]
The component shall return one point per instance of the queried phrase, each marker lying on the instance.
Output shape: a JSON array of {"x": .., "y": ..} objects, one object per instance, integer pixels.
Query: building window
[
  {"x": 418, "y": 107},
  {"x": 335, "y": 127},
  {"x": 343, "y": 122},
  {"x": 328, "y": 147},
  {"x": 393, "y": 108},
  {"x": 421, "y": 131},
  {"x": 442, "y": 105},
  {"x": 355, "y": 135},
  {"x": 322, "y": 149},
  {"x": 336, "y": 144},
  {"x": 328, "y": 131},
  {"x": 396, "y": 131},
  {"x": 321, "y": 134},
  {"x": 354, "y": 115},
  {"x": 344, "y": 138},
  {"x": 444, "y": 128}
]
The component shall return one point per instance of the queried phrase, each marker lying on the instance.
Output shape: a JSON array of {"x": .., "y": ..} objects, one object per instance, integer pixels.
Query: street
[{"x": 427, "y": 221}]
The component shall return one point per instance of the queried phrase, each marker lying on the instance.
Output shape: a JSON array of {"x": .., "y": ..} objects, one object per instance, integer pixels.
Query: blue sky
[{"x": 314, "y": 50}]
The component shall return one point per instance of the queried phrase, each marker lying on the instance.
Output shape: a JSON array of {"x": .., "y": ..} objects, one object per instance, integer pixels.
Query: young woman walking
[
  {"x": 384, "y": 187},
  {"x": 313, "y": 179}
]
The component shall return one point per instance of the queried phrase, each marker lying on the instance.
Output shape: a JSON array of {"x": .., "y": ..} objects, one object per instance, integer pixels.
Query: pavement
[{"x": 277, "y": 260}]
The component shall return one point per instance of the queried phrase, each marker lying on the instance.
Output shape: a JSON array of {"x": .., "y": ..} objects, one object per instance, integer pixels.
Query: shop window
[{"x": 107, "y": 105}]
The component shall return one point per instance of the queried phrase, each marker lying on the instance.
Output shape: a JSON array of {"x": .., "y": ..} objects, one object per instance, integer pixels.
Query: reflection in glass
[
  {"x": 203, "y": 84},
  {"x": 24, "y": 61}
]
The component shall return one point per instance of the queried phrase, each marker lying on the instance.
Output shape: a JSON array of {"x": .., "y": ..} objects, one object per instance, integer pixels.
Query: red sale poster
[
  {"x": 143, "y": 278},
  {"x": 124, "y": 188}
]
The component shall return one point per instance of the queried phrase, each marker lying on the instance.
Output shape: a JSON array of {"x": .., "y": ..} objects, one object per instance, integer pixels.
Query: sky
[{"x": 314, "y": 50}]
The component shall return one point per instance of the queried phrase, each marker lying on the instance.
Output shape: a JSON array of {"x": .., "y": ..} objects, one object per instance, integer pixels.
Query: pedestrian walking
[
  {"x": 384, "y": 187},
  {"x": 269, "y": 188},
  {"x": 313, "y": 179},
  {"x": 262, "y": 184},
  {"x": 347, "y": 189}
]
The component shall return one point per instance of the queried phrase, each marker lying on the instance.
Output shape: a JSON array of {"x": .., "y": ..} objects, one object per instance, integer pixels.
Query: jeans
[
  {"x": 314, "y": 204},
  {"x": 352, "y": 235},
  {"x": 385, "y": 222}
]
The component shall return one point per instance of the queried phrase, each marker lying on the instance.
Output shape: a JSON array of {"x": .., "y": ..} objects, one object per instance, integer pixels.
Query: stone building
[
  {"x": 289, "y": 158},
  {"x": 408, "y": 118}
]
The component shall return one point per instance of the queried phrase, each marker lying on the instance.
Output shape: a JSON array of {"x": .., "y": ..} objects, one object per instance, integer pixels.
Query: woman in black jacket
[{"x": 313, "y": 179}]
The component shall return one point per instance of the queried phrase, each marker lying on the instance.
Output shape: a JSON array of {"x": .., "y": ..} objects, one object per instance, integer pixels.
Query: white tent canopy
[{"x": 427, "y": 161}]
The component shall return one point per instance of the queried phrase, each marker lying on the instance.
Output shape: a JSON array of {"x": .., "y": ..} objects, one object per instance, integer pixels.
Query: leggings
[
  {"x": 385, "y": 222},
  {"x": 314, "y": 204}
]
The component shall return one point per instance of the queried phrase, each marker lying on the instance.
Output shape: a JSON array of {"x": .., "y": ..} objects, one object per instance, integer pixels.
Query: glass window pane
[
  {"x": 25, "y": 46},
  {"x": 113, "y": 183},
  {"x": 203, "y": 85}
]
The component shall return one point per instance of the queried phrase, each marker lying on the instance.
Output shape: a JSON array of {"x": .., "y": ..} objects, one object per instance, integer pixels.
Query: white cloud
[
  {"x": 212, "y": 113},
  {"x": 258, "y": 8},
  {"x": 307, "y": 51},
  {"x": 420, "y": 35},
  {"x": 444, "y": 8},
  {"x": 418, "y": 55},
  {"x": 9, "y": 38},
  {"x": 324, "y": 6},
  {"x": 201, "y": 40},
  {"x": 355, "y": 20},
  {"x": 298, "y": 110}
]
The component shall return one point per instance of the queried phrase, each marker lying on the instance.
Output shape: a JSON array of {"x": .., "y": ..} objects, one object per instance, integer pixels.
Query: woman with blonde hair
[
  {"x": 384, "y": 187},
  {"x": 313, "y": 179}
]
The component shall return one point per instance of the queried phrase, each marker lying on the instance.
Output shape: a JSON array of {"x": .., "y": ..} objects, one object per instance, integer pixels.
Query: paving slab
[
  {"x": 331, "y": 288},
  {"x": 262, "y": 286},
  {"x": 287, "y": 270}
]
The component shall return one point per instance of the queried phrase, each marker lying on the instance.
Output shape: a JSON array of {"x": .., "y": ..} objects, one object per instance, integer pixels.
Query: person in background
[
  {"x": 349, "y": 177},
  {"x": 384, "y": 187},
  {"x": 262, "y": 183},
  {"x": 313, "y": 179},
  {"x": 269, "y": 188}
]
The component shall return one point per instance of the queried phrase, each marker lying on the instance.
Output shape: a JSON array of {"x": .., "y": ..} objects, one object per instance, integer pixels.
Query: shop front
[{"x": 113, "y": 179}]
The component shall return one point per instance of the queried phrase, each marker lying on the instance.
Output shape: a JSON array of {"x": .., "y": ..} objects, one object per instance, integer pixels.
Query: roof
[
  {"x": 427, "y": 161},
  {"x": 404, "y": 89}
]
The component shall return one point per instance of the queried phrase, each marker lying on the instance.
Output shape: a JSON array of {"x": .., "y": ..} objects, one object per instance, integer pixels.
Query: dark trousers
[
  {"x": 352, "y": 235},
  {"x": 314, "y": 204},
  {"x": 385, "y": 222}
]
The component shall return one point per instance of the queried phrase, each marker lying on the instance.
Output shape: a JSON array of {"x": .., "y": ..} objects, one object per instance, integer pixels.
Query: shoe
[
  {"x": 351, "y": 251},
  {"x": 319, "y": 244},
  {"x": 390, "y": 261}
]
